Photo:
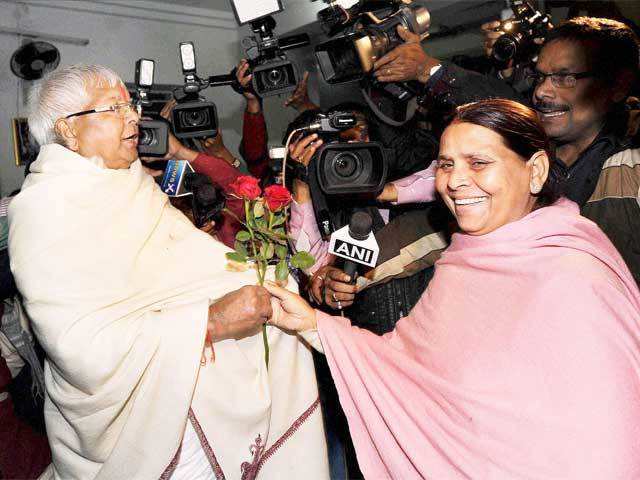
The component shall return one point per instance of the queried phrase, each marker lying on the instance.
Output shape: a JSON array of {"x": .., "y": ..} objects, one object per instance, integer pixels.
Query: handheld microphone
[
  {"x": 173, "y": 181},
  {"x": 356, "y": 244}
]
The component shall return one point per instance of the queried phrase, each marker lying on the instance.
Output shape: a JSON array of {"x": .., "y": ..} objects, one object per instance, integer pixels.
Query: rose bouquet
[{"x": 263, "y": 241}]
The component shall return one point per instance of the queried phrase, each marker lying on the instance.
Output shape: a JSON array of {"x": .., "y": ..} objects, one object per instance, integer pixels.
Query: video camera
[
  {"x": 356, "y": 171},
  {"x": 517, "y": 43},
  {"x": 153, "y": 134},
  {"x": 193, "y": 116},
  {"x": 273, "y": 73},
  {"x": 369, "y": 32}
]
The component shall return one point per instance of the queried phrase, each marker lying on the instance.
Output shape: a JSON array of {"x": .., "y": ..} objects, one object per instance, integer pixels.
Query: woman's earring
[{"x": 535, "y": 188}]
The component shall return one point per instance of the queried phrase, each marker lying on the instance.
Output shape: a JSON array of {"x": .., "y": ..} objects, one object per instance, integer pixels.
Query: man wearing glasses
[{"x": 582, "y": 77}]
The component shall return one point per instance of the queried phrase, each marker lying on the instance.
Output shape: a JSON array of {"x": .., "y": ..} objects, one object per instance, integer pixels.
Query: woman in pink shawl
[{"x": 522, "y": 359}]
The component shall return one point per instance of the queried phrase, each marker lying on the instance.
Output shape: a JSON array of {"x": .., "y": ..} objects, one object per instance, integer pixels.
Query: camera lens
[
  {"x": 505, "y": 48},
  {"x": 274, "y": 77},
  {"x": 146, "y": 137},
  {"x": 345, "y": 164},
  {"x": 195, "y": 117}
]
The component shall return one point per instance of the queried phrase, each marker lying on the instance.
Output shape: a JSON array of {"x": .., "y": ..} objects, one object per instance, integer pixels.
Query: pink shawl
[{"x": 521, "y": 360}]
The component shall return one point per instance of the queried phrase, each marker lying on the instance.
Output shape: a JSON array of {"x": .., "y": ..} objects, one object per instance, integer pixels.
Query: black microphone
[{"x": 354, "y": 245}]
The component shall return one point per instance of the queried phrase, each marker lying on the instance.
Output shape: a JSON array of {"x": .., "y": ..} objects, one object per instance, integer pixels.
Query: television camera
[
  {"x": 339, "y": 170},
  {"x": 153, "y": 133}
]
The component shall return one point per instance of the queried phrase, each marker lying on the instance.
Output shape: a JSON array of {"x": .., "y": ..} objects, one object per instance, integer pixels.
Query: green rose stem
[{"x": 262, "y": 272}]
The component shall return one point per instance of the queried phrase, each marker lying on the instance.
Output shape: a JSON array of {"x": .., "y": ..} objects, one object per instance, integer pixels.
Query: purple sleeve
[
  {"x": 305, "y": 234},
  {"x": 417, "y": 188}
]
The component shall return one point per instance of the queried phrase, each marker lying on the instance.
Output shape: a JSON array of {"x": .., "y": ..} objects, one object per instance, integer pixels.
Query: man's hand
[
  {"x": 339, "y": 293},
  {"x": 490, "y": 34},
  {"x": 239, "y": 314},
  {"x": 244, "y": 79},
  {"x": 299, "y": 99},
  {"x": 406, "y": 62}
]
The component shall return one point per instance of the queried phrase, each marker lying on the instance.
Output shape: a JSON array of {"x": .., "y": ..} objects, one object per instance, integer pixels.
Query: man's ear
[
  {"x": 622, "y": 85},
  {"x": 539, "y": 163},
  {"x": 64, "y": 129}
]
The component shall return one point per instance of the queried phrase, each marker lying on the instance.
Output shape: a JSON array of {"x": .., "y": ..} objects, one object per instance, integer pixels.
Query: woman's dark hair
[{"x": 522, "y": 133}]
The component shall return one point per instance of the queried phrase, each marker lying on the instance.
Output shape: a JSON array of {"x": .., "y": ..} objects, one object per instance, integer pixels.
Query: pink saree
[{"x": 521, "y": 360}]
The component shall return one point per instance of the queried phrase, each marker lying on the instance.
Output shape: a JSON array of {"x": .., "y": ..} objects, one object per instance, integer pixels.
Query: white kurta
[{"x": 118, "y": 284}]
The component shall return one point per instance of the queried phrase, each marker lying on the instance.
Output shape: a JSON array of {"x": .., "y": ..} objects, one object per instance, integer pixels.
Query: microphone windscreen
[
  {"x": 360, "y": 225},
  {"x": 206, "y": 195}
]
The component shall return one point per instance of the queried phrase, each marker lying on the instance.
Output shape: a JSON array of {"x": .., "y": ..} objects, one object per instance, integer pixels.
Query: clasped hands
[{"x": 243, "y": 312}]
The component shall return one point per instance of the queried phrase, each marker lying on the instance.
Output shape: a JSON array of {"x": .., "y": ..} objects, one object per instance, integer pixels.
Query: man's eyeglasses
[
  {"x": 560, "y": 80},
  {"x": 122, "y": 109}
]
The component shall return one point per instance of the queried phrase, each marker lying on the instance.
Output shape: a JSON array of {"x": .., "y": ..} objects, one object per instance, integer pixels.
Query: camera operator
[
  {"x": 254, "y": 145},
  {"x": 579, "y": 93},
  {"x": 381, "y": 305}
]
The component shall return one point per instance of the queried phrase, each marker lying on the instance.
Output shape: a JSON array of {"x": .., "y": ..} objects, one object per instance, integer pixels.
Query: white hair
[{"x": 61, "y": 93}]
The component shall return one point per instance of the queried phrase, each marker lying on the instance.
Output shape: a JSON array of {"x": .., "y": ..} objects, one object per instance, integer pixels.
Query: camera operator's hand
[
  {"x": 389, "y": 193},
  {"x": 490, "y": 33},
  {"x": 239, "y": 314},
  {"x": 244, "y": 79},
  {"x": 303, "y": 150},
  {"x": 299, "y": 99},
  {"x": 290, "y": 311},
  {"x": 316, "y": 284},
  {"x": 406, "y": 62},
  {"x": 338, "y": 292}
]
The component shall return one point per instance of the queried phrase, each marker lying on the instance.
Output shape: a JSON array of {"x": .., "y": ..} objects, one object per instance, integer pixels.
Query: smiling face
[
  {"x": 484, "y": 183},
  {"x": 108, "y": 135},
  {"x": 570, "y": 115}
]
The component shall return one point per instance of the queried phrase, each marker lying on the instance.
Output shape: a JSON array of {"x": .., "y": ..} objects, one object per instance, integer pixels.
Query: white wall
[{"x": 119, "y": 32}]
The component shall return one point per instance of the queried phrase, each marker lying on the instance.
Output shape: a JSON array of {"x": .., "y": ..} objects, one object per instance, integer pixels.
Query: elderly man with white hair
[{"x": 155, "y": 367}]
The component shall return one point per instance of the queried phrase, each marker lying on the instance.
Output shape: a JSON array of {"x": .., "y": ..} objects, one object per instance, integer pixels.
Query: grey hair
[{"x": 61, "y": 93}]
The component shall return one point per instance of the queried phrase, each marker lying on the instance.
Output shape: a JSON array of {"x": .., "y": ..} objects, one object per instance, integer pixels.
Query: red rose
[
  {"x": 245, "y": 187},
  {"x": 276, "y": 197}
]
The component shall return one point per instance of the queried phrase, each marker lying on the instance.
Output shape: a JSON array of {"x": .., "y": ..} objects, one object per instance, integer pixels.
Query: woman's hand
[
  {"x": 290, "y": 311},
  {"x": 303, "y": 150},
  {"x": 239, "y": 314}
]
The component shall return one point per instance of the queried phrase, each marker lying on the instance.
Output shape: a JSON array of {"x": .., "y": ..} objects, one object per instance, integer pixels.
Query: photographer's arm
[
  {"x": 303, "y": 227},
  {"x": 254, "y": 143},
  {"x": 417, "y": 188},
  {"x": 449, "y": 85}
]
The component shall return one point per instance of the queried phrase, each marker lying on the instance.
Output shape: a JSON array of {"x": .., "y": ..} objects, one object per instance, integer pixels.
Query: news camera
[
  {"x": 368, "y": 30},
  {"x": 153, "y": 133},
  {"x": 273, "y": 73},
  {"x": 339, "y": 172},
  {"x": 517, "y": 43},
  {"x": 193, "y": 116}
]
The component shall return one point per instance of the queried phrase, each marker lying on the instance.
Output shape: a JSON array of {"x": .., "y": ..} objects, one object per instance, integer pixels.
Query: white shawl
[{"x": 117, "y": 283}]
